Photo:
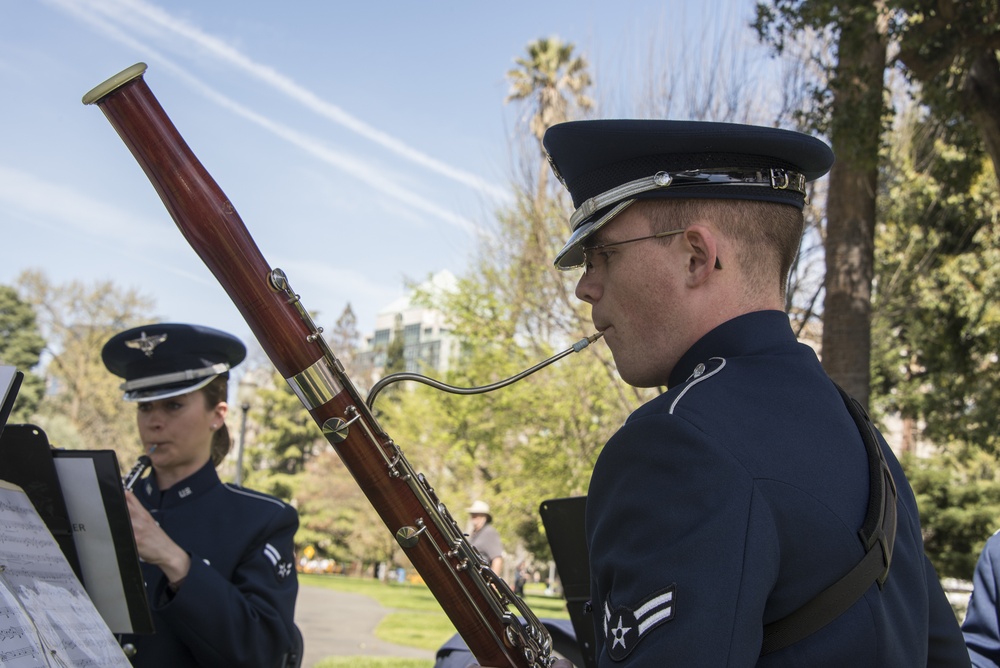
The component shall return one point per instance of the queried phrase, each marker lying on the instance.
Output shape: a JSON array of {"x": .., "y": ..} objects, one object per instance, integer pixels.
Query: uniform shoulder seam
[{"x": 254, "y": 495}]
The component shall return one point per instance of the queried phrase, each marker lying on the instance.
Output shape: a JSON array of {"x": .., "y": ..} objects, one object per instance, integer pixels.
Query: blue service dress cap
[
  {"x": 606, "y": 165},
  {"x": 165, "y": 360}
]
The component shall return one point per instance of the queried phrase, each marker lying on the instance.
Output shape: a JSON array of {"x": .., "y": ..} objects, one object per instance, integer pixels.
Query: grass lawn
[
  {"x": 372, "y": 662},
  {"x": 416, "y": 619}
]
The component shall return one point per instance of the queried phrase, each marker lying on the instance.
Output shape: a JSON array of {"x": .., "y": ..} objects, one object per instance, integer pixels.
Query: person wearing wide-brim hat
[
  {"x": 735, "y": 497},
  {"x": 218, "y": 560},
  {"x": 484, "y": 536}
]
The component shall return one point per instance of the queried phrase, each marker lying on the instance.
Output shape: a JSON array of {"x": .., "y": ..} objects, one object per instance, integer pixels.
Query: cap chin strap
[
  {"x": 157, "y": 393},
  {"x": 776, "y": 179},
  {"x": 174, "y": 377}
]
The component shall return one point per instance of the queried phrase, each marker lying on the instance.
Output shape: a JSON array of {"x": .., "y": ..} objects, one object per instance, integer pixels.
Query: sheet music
[
  {"x": 46, "y": 617},
  {"x": 18, "y": 646},
  {"x": 94, "y": 541}
]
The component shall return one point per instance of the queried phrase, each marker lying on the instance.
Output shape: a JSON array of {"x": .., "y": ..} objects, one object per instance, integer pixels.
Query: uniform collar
[
  {"x": 746, "y": 334},
  {"x": 184, "y": 491}
]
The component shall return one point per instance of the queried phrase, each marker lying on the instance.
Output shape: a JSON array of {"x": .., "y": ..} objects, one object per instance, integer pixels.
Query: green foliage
[
  {"x": 847, "y": 28},
  {"x": 538, "y": 438},
  {"x": 336, "y": 518},
  {"x": 85, "y": 408},
  {"x": 936, "y": 325},
  {"x": 936, "y": 330},
  {"x": 21, "y": 345},
  {"x": 549, "y": 78},
  {"x": 289, "y": 435},
  {"x": 959, "y": 500},
  {"x": 939, "y": 44}
]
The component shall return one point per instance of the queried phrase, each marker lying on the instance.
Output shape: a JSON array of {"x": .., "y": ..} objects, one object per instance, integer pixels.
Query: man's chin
[
  {"x": 640, "y": 375},
  {"x": 631, "y": 376}
]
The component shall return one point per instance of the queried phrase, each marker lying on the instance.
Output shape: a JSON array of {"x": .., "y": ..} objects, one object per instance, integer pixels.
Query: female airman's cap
[
  {"x": 166, "y": 360},
  {"x": 609, "y": 164}
]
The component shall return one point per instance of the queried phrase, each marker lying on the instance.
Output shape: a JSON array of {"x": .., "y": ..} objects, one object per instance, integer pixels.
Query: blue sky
[{"x": 362, "y": 143}]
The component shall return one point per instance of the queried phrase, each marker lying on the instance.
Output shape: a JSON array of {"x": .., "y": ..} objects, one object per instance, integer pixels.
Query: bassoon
[{"x": 498, "y": 627}]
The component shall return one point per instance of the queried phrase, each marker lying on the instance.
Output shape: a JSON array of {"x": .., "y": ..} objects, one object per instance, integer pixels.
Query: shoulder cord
[{"x": 878, "y": 535}]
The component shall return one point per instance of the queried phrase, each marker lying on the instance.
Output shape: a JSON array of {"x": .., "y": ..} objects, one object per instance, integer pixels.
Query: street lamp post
[
  {"x": 246, "y": 391},
  {"x": 245, "y": 407}
]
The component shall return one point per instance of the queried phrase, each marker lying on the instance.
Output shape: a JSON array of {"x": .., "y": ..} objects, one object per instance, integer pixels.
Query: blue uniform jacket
[
  {"x": 236, "y": 606},
  {"x": 735, "y": 497},
  {"x": 982, "y": 620}
]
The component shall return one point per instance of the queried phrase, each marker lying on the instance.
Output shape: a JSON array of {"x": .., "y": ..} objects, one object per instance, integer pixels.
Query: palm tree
[
  {"x": 552, "y": 84},
  {"x": 549, "y": 78}
]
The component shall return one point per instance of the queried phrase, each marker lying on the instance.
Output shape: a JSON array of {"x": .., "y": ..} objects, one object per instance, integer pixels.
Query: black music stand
[
  {"x": 564, "y": 521},
  {"x": 10, "y": 383},
  {"x": 92, "y": 486},
  {"x": 26, "y": 461}
]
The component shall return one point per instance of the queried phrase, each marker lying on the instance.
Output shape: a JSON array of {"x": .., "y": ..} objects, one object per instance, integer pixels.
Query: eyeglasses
[{"x": 590, "y": 252}]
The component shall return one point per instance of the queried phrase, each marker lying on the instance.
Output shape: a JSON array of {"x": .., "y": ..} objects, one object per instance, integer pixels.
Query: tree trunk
[
  {"x": 855, "y": 129},
  {"x": 982, "y": 94}
]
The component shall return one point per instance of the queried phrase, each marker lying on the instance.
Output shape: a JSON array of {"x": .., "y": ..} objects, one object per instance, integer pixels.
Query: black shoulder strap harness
[{"x": 878, "y": 535}]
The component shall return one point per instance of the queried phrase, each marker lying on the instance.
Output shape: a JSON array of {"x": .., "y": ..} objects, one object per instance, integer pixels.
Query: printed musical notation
[
  {"x": 18, "y": 655},
  {"x": 46, "y": 617}
]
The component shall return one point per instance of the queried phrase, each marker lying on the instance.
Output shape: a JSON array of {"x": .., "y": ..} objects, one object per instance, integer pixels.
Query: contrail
[
  {"x": 153, "y": 16},
  {"x": 312, "y": 145}
]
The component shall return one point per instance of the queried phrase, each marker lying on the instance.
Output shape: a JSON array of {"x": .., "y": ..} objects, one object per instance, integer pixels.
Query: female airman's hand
[{"x": 154, "y": 545}]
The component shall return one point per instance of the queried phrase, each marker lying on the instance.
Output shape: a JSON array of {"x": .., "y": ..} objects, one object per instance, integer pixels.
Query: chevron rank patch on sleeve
[
  {"x": 282, "y": 567},
  {"x": 624, "y": 627}
]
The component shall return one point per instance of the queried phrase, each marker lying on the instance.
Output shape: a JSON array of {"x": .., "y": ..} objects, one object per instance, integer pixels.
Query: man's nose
[{"x": 588, "y": 288}]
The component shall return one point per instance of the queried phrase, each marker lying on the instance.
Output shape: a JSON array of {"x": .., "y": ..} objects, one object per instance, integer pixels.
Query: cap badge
[
  {"x": 555, "y": 170},
  {"x": 146, "y": 343}
]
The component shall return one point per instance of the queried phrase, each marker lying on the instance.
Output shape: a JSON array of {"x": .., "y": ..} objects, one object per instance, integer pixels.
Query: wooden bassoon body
[{"x": 498, "y": 628}]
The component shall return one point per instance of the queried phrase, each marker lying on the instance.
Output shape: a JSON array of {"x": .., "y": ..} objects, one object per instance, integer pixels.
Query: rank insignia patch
[
  {"x": 624, "y": 627},
  {"x": 282, "y": 568}
]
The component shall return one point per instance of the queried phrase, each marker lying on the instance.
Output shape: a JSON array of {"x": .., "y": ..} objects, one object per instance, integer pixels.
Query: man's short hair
[{"x": 765, "y": 235}]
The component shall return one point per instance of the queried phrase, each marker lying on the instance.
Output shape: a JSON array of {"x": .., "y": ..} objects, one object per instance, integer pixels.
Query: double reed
[{"x": 480, "y": 605}]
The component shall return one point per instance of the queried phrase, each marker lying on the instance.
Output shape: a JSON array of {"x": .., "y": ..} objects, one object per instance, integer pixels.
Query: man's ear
[{"x": 703, "y": 258}]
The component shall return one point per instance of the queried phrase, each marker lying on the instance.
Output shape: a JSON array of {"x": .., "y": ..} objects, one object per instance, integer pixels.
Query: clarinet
[
  {"x": 479, "y": 603},
  {"x": 143, "y": 463}
]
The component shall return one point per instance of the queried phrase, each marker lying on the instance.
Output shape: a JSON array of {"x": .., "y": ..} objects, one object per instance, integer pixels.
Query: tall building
[{"x": 428, "y": 345}]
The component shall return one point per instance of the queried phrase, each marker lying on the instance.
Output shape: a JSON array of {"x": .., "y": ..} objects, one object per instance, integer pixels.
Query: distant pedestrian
[
  {"x": 484, "y": 536},
  {"x": 520, "y": 578}
]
